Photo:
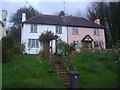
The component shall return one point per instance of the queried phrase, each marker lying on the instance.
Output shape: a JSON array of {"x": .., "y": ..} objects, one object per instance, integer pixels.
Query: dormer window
[
  {"x": 75, "y": 30},
  {"x": 33, "y": 28},
  {"x": 96, "y": 32}
]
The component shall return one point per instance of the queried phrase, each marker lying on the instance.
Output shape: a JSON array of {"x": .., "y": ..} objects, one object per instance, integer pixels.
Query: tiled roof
[{"x": 62, "y": 20}]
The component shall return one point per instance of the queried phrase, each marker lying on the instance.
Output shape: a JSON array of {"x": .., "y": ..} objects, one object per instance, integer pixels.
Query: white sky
[
  {"x": 46, "y": 6},
  {"x": 43, "y": 7}
]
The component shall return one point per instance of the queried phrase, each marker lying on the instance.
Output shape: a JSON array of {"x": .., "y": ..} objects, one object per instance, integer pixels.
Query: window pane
[
  {"x": 95, "y": 44},
  {"x": 35, "y": 28},
  {"x": 100, "y": 44},
  {"x": 96, "y": 31},
  {"x": 33, "y": 43},
  {"x": 37, "y": 43},
  {"x": 59, "y": 29},
  {"x": 31, "y": 28},
  {"x": 29, "y": 43},
  {"x": 76, "y": 44},
  {"x": 56, "y": 29},
  {"x": 75, "y": 30}
]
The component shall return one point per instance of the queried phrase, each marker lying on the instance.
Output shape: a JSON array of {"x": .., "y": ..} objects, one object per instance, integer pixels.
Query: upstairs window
[
  {"x": 76, "y": 43},
  {"x": 33, "y": 28},
  {"x": 96, "y": 31},
  {"x": 33, "y": 43},
  {"x": 75, "y": 30},
  {"x": 58, "y": 29}
]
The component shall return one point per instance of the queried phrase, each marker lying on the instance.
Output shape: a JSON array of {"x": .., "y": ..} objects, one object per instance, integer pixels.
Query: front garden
[
  {"x": 29, "y": 71},
  {"x": 97, "y": 70}
]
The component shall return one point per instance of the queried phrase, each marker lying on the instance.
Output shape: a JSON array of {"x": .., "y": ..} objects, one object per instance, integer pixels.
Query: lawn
[
  {"x": 96, "y": 70},
  {"x": 29, "y": 71}
]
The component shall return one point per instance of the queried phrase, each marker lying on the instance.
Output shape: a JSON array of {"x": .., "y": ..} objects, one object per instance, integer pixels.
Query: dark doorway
[{"x": 87, "y": 45}]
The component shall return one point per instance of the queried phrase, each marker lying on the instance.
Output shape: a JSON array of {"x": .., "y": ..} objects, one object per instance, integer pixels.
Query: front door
[{"x": 87, "y": 45}]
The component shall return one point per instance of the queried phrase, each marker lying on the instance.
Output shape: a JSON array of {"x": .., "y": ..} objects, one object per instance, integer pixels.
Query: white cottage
[{"x": 32, "y": 29}]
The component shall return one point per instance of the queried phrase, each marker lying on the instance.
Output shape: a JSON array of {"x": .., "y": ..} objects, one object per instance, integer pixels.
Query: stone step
[
  {"x": 61, "y": 73},
  {"x": 66, "y": 81},
  {"x": 61, "y": 67},
  {"x": 64, "y": 76},
  {"x": 67, "y": 78},
  {"x": 61, "y": 70},
  {"x": 67, "y": 84}
]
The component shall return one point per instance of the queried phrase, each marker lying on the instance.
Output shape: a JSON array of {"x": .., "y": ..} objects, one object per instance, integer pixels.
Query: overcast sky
[{"x": 45, "y": 6}]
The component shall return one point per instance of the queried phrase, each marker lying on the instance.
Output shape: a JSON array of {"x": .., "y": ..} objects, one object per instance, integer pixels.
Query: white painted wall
[
  {"x": 0, "y": 31},
  {"x": 25, "y": 35},
  {"x": 4, "y": 16}
]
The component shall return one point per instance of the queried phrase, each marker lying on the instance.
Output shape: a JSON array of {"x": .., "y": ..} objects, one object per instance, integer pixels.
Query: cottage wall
[{"x": 26, "y": 34}]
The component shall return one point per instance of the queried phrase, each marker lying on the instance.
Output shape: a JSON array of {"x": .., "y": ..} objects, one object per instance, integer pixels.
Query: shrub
[
  {"x": 42, "y": 54},
  {"x": 8, "y": 44},
  {"x": 114, "y": 58},
  {"x": 65, "y": 48},
  {"x": 19, "y": 48},
  {"x": 113, "y": 65}
]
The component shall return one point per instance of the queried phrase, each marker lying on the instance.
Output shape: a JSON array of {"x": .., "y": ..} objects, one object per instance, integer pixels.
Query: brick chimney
[
  {"x": 62, "y": 13},
  {"x": 97, "y": 20},
  {"x": 23, "y": 17},
  {"x": 4, "y": 20}
]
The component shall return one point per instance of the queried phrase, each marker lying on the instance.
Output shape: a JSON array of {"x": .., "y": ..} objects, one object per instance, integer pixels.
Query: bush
[
  {"x": 113, "y": 65},
  {"x": 65, "y": 48},
  {"x": 19, "y": 48},
  {"x": 42, "y": 54},
  {"x": 8, "y": 45}
]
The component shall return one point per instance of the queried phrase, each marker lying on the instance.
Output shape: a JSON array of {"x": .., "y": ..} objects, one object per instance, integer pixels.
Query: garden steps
[{"x": 62, "y": 72}]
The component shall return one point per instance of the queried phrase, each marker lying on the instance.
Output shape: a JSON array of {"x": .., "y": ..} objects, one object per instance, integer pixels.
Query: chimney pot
[
  {"x": 97, "y": 20},
  {"x": 62, "y": 13}
]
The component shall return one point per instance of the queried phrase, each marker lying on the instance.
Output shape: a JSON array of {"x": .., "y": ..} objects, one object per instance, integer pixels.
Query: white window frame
[
  {"x": 96, "y": 31},
  {"x": 75, "y": 30},
  {"x": 77, "y": 44},
  {"x": 33, "y": 43},
  {"x": 33, "y": 28},
  {"x": 98, "y": 44},
  {"x": 58, "y": 29}
]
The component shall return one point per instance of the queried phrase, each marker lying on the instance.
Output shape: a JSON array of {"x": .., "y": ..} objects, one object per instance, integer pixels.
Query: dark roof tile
[{"x": 62, "y": 20}]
